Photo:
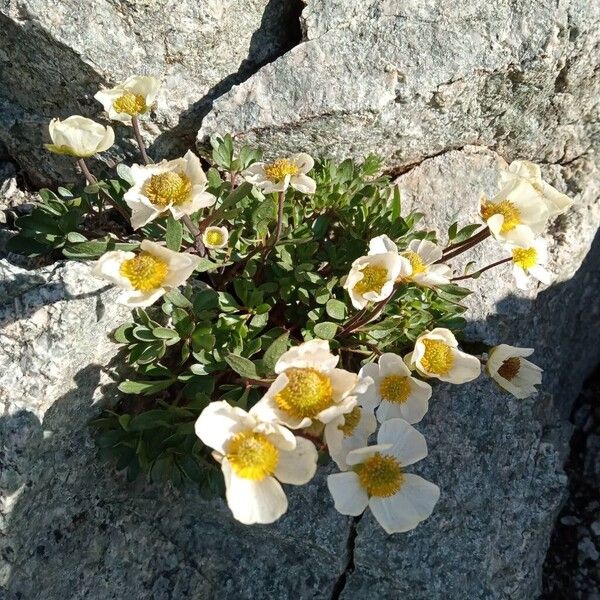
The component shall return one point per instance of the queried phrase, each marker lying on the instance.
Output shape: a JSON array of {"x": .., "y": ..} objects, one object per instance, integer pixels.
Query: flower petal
[
  {"x": 297, "y": 466},
  {"x": 348, "y": 495},
  {"x": 406, "y": 443},
  {"x": 219, "y": 422}
]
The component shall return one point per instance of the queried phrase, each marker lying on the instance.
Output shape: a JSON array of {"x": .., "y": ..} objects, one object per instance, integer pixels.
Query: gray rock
[
  {"x": 409, "y": 80},
  {"x": 61, "y": 51}
]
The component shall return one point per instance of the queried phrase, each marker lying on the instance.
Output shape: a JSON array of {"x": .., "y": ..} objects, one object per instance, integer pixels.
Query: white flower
[
  {"x": 423, "y": 256},
  {"x": 372, "y": 277},
  {"x": 177, "y": 186},
  {"x": 308, "y": 387},
  {"x": 135, "y": 96},
  {"x": 556, "y": 202},
  {"x": 255, "y": 456},
  {"x": 507, "y": 367},
  {"x": 215, "y": 237},
  {"x": 278, "y": 175},
  {"x": 530, "y": 261},
  {"x": 398, "y": 500},
  {"x": 516, "y": 213},
  {"x": 78, "y": 136},
  {"x": 349, "y": 432},
  {"x": 145, "y": 276},
  {"x": 394, "y": 392},
  {"x": 436, "y": 354}
]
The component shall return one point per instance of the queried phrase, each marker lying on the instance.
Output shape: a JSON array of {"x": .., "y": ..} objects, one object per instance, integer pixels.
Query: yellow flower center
[
  {"x": 374, "y": 278},
  {"x": 509, "y": 369},
  {"x": 130, "y": 104},
  {"x": 168, "y": 188},
  {"x": 307, "y": 393},
  {"x": 214, "y": 237},
  {"x": 395, "y": 388},
  {"x": 351, "y": 421},
  {"x": 252, "y": 455},
  {"x": 416, "y": 262},
  {"x": 145, "y": 271},
  {"x": 525, "y": 257},
  {"x": 280, "y": 169},
  {"x": 380, "y": 475},
  {"x": 438, "y": 357},
  {"x": 506, "y": 208}
]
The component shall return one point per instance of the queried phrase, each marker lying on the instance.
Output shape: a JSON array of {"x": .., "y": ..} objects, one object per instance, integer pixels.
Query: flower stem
[
  {"x": 456, "y": 249},
  {"x": 91, "y": 179},
  {"x": 138, "y": 138},
  {"x": 366, "y": 317},
  {"x": 193, "y": 229},
  {"x": 483, "y": 270}
]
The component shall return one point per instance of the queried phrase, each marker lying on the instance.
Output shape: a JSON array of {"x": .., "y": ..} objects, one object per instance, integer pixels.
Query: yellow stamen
[
  {"x": 168, "y": 188},
  {"x": 395, "y": 388},
  {"x": 374, "y": 278},
  {"x": 380, "y": 475},
  {"x": 416, "y": 262},
  {"x": 307, "y": 393},
  {"x": 351, "y": 421},
  {"x": 506, "y": 208},
  {"x": 131, "y": 104},
  {"x": 510, "y": 368},
  {"x": 252, "y": 455},
  {"x": 214, "y": 237},
  {"x": 145, "y": 271},
  {"x": 525, "y": 257},
  {"x": 277, "y": 171},
  {"x": 438, "y": 357}
]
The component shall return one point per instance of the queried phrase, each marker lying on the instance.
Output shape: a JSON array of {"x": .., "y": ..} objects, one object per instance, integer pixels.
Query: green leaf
[
  {"x": 242, "y": 366},
  {"x": 176, "y": 298},
  {"x": 124, "y": 172},
  {"x": 165, "y": 334},
  {"x": 396, "y": 204},
  {"x": 326, "y": 330},
  {"x": 336, "y": 309},
  {"x": 174, "y": 234},
  {"x": 274, "y": 352},
  {"x": 144, "y": 387}
]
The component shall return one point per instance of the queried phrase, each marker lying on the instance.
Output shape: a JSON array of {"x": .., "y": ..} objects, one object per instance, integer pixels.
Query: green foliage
[{"x": 219, "y": 338}]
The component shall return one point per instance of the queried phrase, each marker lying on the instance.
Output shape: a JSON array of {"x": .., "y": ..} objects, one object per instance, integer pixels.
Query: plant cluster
[{"x": 283, "y": 312}]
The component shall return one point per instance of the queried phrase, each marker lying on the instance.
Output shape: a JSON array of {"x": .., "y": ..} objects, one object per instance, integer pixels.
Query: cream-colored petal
[
  {"x": 219, "y": 422},
  {"x": 342, "y": 382},
  {"x": 193, "y": 169},
  {"x": 392, "y": 364},
  {"x": 403, "y": 511},
  {"x": 429, "y": 252},
  {"x": 139, "y": 299},
  {"x": 107, "y": 141},
  {"x": 521, "y": 278},
  {"x": 342, "y": 407},
  {"x": 108, "y": 267},
  {"x": 348, "y": 496},
  {"x": 465, "y": 368},
  {"x": 359, "y": 455},
  {"x": 541, "y": 274},
  {"x": 253, "y": 501},
  {"x": 557, "y": 203},
  {"x": 181, "y": 268},
  {"x": 304, "y": 184},
  {"x": 303, "y": 161},
  {"x": 297, "y": 466},
  {"x": 407, "y": 444},
  {"x": 312, "y": 354},
  {"x": 142, "y": 212},
  {"x": 382, "y": 244}
]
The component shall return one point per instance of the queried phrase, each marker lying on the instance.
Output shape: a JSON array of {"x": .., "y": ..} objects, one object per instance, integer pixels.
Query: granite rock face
[
  {"x": 445, "y": 91},
  {"x": 55, "y": 54},
  {"x": 414, "y": 78}
]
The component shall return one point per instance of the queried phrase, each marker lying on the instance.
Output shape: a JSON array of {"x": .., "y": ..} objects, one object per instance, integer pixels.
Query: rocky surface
[
  {"x": 411, "y": 79},
  {"x": 55, "y": 54},
  {"x": 466, "y": 84},
  {"x": 572, "y": 567}
]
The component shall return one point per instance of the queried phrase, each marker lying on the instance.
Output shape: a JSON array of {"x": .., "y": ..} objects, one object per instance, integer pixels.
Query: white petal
[
  {"x": 297, "y": 466},
  {"x": 312, "y": 354},
  {"x": 142, "y": 212},
  {"x": 465, "y": 368},
  {"x": 392, "y": 364},
  {"x": 541, "y": 274},
  {"x": 429, "y": 252},
  {"x": 342, "y": 383},
  {"x": 304, "y": 184},
  {"x": 139, "y": 299},
  {"x": 403, "y": 511},
  {"x": 407, "y": 444},
  {"x": 303, "y": 161},
  {"x": 253, "y": 501},
  {"x": 348, "y": 495},
  {"x": 358, "y": 456},
  {"x": 219, "y": 422},
  {"x": 108, "y": 267},
  {"x": 382, "y": 244},
  {"x": 520, "y": 276}
]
